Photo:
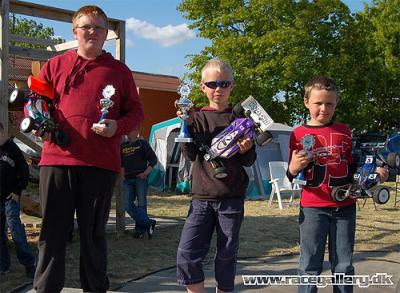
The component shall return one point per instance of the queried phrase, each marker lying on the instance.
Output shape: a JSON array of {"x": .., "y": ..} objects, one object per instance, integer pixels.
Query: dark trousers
[
  {"x": 63, "y": 190},
  {"x": 225, "y": 217}
]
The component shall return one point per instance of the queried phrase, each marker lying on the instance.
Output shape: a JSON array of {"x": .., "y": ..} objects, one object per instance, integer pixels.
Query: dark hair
[{"x": 320, "y": 83}]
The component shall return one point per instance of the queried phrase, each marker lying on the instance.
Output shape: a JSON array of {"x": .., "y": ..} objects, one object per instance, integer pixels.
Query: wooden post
[
  {"x": 4, "y": 63},
  {"x": 120, "y": 42},
  {"x": 119, "y": 206}
]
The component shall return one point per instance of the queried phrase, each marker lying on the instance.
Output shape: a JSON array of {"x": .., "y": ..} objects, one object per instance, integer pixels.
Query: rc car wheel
[
  {"x": 393, "y": 160},
  {"x": 264, "y": 138},
  {"x": 339, "y": 193},
  {"x": 26, "y": 124},
  {"x": 238, "y": 110},
  {"x": 220, "y": 173},
  {"x": 16, "y": 96},
  {"x": 381, "y": 195}
]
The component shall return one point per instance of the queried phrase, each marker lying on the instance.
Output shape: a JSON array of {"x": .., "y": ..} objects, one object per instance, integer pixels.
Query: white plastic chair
[{"x": 280, "y": 183}]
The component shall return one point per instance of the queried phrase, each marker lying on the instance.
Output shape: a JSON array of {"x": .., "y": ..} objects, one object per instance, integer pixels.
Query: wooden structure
[{"x": 9, "y": 54}]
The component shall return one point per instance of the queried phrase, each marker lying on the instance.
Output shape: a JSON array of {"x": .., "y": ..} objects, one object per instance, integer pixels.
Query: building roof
[{"x": 156, "y": 81}]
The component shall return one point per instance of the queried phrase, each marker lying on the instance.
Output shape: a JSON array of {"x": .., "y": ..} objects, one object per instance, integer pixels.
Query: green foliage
[
  {"x": 30, "y": 28},
  {"x": 275, "y": 46}
]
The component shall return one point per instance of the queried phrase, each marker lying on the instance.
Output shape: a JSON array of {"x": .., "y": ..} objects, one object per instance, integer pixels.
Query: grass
[{"x": 265, "y": 232}]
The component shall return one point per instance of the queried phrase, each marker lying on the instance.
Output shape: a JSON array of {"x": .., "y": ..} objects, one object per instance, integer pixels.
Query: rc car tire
[
  {"x": 264, "y": 138},
  {"x": 16, "y": 96},
  {"x": 26, "y": 124},
  {"x": 381, "y": 195},
  {"x": 393, "y": 160},
  {"x": 339, "y": 194},
  {"x": 238, "y": 110},
  {"x": 220, "y": 173}
]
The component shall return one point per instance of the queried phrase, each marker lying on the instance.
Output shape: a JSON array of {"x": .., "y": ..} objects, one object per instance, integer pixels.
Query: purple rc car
[{"x": 251, "y": 121}]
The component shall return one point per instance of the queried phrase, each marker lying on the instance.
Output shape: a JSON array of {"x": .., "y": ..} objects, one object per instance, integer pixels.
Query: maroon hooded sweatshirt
[{"x": 79, "y": 85}]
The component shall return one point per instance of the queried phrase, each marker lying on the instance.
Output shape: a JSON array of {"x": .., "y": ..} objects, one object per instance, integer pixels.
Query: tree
[
  {"x": 30, "y": 28},
  {"x": 381, "y": 27},
  {"x": 275, "y": 46}
]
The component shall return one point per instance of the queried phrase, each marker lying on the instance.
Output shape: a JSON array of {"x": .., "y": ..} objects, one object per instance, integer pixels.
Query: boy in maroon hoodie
[{"x": 81, "y": 176}]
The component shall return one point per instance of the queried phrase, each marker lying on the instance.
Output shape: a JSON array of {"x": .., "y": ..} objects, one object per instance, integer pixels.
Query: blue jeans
[
  {"x": 136, "y": 189},
  {"x": 318, "y": 224},
  {"x": 9, "y": 211},
  {"x": 225, "y": 217}
]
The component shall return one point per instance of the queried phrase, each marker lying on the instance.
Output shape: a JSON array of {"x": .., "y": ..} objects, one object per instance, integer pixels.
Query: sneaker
[
  {"x": 30, "y": 272},
  {"x": 151, "y": 228},
  {"x": 138, "y": 235}
]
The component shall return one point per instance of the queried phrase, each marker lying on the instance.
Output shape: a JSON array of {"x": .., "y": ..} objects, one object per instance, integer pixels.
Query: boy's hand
[
  {"x": 244, "y": 145},
  {"x": 13, "y": 196},
  {"x": 145, "y": 173},
  {"x": 190, "y": 113},
  {"x": 44, "y": 136},
  {"x": 299, "y": 161},
  {"x": 383, "y": 173},
  {"x": 106, "y": 127}
]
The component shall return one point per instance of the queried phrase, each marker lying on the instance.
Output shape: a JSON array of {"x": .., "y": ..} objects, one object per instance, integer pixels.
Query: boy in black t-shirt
[{"x": 138, "y": 159}]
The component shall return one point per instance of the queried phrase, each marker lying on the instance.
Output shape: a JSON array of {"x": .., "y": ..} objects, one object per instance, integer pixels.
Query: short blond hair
[
  {"x": 89, "y": 10},
  {"x": 217, "y": 65},
  {"x": 321, "y": 83}
]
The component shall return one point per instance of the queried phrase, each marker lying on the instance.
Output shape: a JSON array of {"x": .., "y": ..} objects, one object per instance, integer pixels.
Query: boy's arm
[
  {"x": 189, "y": 151},
  {"x": 22, "y": 171},
  {"x": 247, "y": 159},
  {"x": 289, "y": 175},
  {"x": 131, "y": 107},
  {"x": 150, "y": 155}
]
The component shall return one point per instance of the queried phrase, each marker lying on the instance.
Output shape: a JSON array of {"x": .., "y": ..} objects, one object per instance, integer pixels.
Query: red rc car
[{"x": 38, "y": 104}]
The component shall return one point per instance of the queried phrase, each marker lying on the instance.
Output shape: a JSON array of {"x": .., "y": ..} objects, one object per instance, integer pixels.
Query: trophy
[
  {"x": 307, "y": 142},
  {"x": 184, "y": 104},
  {"x": 105, "y": 104}
]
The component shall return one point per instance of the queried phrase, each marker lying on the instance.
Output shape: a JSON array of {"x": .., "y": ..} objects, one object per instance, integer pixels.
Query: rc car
[
  {"x": 37, "y": 109},
  {"x": 366, "y": 182},
  {"x": 251, "y": 121}
]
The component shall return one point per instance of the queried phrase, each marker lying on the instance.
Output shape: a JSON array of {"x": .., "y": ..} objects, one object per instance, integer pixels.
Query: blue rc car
[{"x": 377, "y": 152}]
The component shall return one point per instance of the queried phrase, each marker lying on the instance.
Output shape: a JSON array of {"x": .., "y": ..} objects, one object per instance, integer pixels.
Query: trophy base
[
  {"x": 183, "y": 139},
  {"x": 99, "y": 125},
  {"x": 299, "y": 181}
]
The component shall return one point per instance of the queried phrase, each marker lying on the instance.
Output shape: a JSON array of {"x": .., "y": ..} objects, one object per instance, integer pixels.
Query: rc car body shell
[
  {"x": 252, "y": 121},
  {"x": 225, "y": 145}
]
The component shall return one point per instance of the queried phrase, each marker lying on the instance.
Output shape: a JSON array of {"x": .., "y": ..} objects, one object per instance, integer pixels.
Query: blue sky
[{"x": 157, "y": 36}]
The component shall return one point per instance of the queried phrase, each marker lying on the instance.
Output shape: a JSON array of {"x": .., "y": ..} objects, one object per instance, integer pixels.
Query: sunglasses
[{"x": 218, "y": 83}]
